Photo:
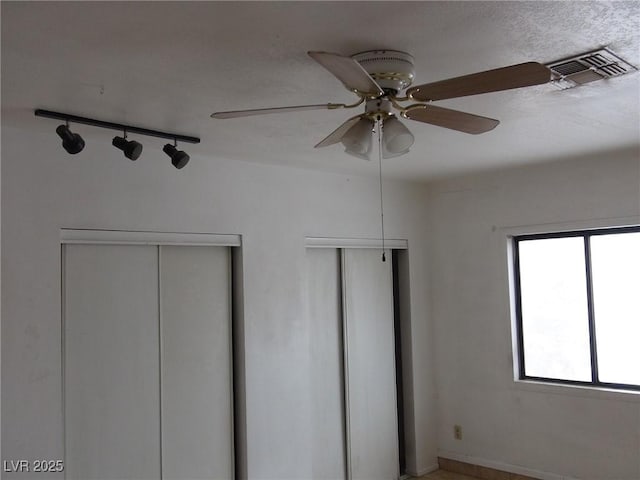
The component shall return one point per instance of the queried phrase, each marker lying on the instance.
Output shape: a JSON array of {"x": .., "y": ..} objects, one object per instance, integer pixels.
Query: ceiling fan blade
[
  {"x": 453, "y": 119},
  {"x": 264, "y": 111},
  {"x": 506, "y": 78},
  {"x": 348, "y": 71},
  {"x": 335, "y": 136}
]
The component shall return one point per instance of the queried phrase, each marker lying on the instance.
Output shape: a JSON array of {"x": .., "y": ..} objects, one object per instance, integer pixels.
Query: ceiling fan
[{"x": 378, "y": 77}]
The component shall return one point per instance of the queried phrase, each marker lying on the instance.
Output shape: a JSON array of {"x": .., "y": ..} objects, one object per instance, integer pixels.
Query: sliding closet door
[
  {"x": 147, "y": 352},
  {"x": 370, "y": 358},
  {"x": 325, "y": 316},
  {"x": 197, "y": 418},
  {"x": 111, "y": 362}
]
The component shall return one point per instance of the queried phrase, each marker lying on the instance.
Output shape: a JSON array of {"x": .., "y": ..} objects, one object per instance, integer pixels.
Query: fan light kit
[
  {"x": 378, "y": 77},
  {"x": 73, "y": 143}
]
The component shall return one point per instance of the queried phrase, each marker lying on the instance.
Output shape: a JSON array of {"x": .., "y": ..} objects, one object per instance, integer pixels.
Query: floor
[{"x": 444, "y": 475}]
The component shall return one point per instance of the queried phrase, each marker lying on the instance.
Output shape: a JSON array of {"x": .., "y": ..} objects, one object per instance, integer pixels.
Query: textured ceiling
[{"x": 168, "y": 65}]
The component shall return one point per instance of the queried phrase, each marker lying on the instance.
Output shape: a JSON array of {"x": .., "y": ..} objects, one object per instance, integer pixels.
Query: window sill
[{"x": 602, "y": 393}]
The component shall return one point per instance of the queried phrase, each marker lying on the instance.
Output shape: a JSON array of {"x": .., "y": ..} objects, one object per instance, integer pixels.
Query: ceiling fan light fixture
[
  {"x": 361, "y": 156},
  {"x": 378, "y": 76},
  {"x": 396, "y": 138},
  {"x": 386, "y": 154},
  {"x": 357, "y": 141}
]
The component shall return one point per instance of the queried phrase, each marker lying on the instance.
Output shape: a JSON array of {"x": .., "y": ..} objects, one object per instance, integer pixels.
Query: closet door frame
[
  {"x": 342, "y": 243},
  {"x": 154, "y": 239},
  {"x": 130, "y": 237}
]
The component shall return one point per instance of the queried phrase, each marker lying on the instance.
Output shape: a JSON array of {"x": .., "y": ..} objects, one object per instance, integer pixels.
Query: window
[{"x": 578, "y": 307}]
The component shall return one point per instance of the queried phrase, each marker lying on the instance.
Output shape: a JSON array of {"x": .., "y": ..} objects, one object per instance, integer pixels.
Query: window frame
[{"x": 586, "y": 235}]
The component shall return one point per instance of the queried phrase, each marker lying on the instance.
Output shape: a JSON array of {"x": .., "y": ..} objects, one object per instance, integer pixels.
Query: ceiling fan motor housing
[{"x": 391, "y": 69}]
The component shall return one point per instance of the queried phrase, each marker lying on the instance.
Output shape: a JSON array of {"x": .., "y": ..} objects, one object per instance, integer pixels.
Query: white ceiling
[{"x": 168, "y": 65}]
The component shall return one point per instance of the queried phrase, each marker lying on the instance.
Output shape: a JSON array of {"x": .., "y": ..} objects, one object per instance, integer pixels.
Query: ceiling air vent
[{"x": 588, "y": 67}]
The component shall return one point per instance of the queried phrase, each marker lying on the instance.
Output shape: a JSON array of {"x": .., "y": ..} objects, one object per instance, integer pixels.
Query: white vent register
[{"x": 588, "y": 67}]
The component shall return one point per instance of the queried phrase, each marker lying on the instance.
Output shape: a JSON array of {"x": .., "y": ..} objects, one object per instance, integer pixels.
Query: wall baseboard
[
  {"x": 518, "y": 472},
  {"x": 424, "y": 471}
]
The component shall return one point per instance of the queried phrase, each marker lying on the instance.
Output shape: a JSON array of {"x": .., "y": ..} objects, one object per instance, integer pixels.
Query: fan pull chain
[{"x": 380, "y": 176}]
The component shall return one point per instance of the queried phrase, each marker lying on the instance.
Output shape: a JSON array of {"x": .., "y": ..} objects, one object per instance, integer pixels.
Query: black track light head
[
  {"x": 178, "y": 158},
  {"x": 71, "y": 142},
  {"x": 131, "y": 148}
]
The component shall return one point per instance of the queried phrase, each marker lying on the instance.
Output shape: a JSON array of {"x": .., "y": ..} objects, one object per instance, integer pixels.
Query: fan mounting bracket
[{"x": 391, "y": 69}]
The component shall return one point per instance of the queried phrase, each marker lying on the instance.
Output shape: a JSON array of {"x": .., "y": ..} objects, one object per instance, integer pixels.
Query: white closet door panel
[
  {"x": 371, "y": 385},
  {"x": 325, "y": 315},
  {"x": 111, "y": 362},
  {"x": 196, "y": 363}
]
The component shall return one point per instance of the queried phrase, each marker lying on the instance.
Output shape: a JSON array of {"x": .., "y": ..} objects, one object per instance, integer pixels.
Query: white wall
[
  {"x": 273, "y": 208},
  {"x": 529, "y": 429}
]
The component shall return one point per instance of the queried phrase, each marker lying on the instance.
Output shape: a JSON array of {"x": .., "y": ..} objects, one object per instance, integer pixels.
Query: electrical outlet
[{"x": 457, "y": 432}]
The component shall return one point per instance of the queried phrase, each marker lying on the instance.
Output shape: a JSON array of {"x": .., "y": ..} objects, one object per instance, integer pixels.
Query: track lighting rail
[{"x": 115, "y": 126}]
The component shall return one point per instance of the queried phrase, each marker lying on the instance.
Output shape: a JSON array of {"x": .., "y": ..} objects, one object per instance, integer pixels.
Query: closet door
[
  {"x": 325, "y": 316},
  {"x": 148, "y": 374},
  {"x": 370, "y": 365},
  {"x": 197, "y": 417},
  {"x": 111, "y": 360}
]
